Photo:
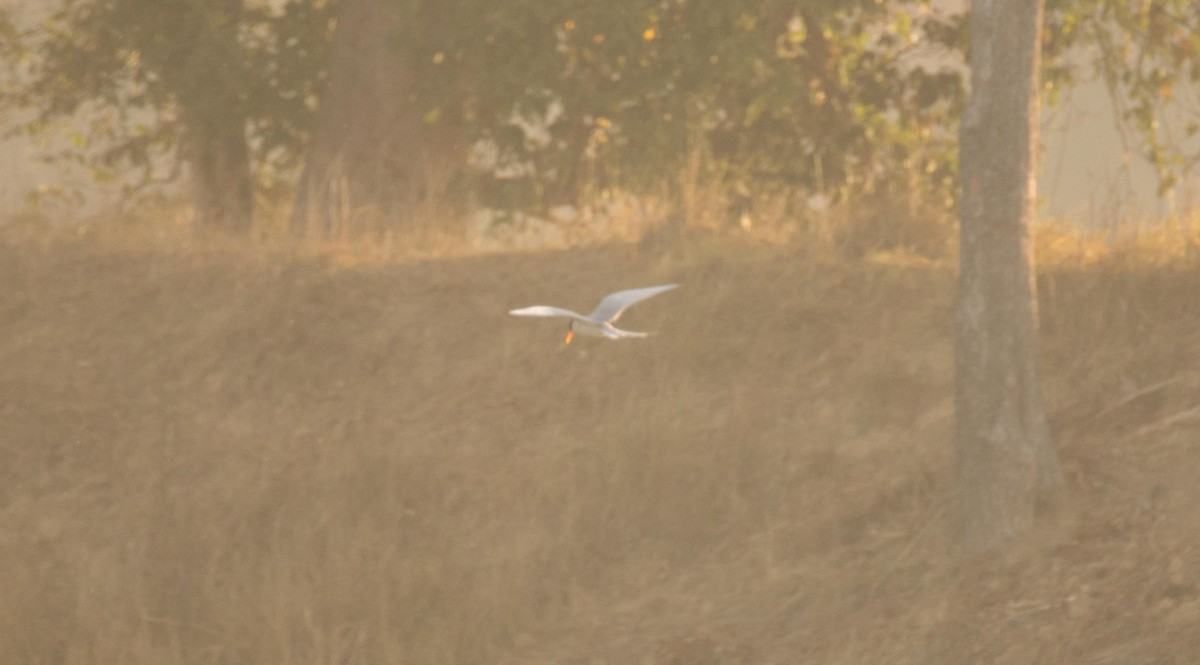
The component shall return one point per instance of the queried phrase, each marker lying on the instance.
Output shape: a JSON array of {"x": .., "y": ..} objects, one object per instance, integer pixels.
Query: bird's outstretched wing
[
  {"x": 546, "y": 310},
  {"x": 614, "y": 304},
  {"x": 617, "y": 333}
]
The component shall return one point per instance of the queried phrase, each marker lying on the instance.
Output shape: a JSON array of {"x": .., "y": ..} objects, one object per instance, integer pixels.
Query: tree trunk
[
  {"x": 1005, "y": 467},
  {"x": 218, "y": 158},
  {"x": 365, "y": 153},
  {"x": 213, "y": 144}
]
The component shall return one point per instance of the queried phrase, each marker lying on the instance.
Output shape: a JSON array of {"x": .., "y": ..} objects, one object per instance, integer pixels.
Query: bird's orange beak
[{"x": 570, "y": 336}]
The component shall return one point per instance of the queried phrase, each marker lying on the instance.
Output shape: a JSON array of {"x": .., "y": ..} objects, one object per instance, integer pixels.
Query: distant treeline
[{"x": 367, "y": 108}]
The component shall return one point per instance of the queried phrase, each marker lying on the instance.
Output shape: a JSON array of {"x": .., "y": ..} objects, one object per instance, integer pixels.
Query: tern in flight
[{"x": 600, "y": 322}]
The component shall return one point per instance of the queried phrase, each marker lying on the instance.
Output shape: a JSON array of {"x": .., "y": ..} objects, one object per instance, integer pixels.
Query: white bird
[{"x": 600, "y": 322}]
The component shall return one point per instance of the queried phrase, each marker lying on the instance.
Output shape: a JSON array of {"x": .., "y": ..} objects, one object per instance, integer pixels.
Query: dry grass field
[{"x": 256, "y": 456}]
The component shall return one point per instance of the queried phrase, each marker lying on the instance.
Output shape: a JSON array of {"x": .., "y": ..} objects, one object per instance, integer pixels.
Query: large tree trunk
[
  {"x": 218, "y": 159},
  {"x": 365, "y": 156},
  {"x": 213, "y": 142},
  {"x": 1004, "y": 463}
]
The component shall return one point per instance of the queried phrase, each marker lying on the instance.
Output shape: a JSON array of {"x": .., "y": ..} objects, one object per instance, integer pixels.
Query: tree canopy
[{"x": 802, "y": 96}]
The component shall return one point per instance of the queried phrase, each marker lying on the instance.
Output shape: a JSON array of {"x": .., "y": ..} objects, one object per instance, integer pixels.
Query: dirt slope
[{"x": 240, "y": 457}]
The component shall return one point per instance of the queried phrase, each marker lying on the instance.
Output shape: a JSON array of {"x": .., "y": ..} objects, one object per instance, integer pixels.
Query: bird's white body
[{"x": 600, "y": 322}]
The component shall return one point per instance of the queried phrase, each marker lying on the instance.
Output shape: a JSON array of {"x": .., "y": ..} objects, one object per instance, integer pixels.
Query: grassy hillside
[{"x": 248, "y": 457}]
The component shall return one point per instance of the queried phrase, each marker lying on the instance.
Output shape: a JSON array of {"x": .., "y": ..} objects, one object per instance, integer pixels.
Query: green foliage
[
  {"x": 289, "y": 52},
  {"x": 809, "y": 96},
  {"x": 1148, "y": 53},
  {"x": 148, "y": 73},
  {"x": 820, "y": 96}
]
